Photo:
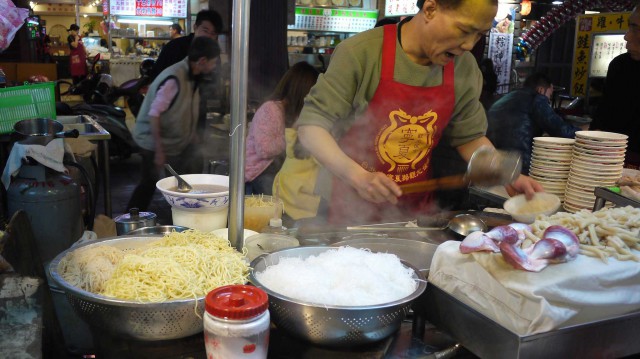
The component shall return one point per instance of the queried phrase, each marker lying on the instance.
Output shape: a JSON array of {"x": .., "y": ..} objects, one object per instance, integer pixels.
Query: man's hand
[
  {"x": 524, "y": 184},
  {"x": 375, "y": 187}
]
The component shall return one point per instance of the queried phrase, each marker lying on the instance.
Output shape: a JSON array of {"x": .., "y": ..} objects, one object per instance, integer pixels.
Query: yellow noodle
[{"x": 180, "y": 265}]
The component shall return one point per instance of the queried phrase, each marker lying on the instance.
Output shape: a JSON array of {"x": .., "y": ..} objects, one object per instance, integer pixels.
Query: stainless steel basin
[{"x": 87, "y": 126}]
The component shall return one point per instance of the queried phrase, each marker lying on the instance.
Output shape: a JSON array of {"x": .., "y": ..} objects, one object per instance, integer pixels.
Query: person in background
[
  {"x": 505, "y": 25},
  {"x": 165, "y": 128},
  {"x": 208, "y": 23},
  {"x": 175, "y": 31},
  {"x": 266, "y": 143},
  {"x": 519, "y": 116},
  {"x": 77, "y": 55},
  {"x": 489, "y": 83},
  {"x": 394, "y": 92},
  {"x": 619, "y": 108}
]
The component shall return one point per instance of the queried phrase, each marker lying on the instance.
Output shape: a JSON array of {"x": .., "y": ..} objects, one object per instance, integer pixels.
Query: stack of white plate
[
  {"x": 597, "y": 161},
  {"x": 550, "y": 163}
]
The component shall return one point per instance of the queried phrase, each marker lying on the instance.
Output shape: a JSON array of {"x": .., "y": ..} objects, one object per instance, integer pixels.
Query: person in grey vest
[{"x": 166, "y": 125}]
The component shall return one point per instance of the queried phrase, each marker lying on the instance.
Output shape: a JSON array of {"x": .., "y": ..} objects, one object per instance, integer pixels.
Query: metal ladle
[
  {"x": 462, "y": 224},
  {"x": 487, "y": 167},
  {"x": 183, "y": 186}
]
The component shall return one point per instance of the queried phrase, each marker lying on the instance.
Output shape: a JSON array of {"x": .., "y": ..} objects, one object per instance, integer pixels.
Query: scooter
[{"x": 98, "y": 89}]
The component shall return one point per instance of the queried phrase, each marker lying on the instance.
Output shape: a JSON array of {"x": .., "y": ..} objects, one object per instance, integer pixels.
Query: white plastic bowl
[
  {"x": 196, "y": 201},
  {"x": 526, "y": 211},
  {"x": 268, "y": 242}
]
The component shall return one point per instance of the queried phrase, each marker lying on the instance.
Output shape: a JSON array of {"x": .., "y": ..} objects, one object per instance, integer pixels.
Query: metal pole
[{"x": 239, "y": 76}]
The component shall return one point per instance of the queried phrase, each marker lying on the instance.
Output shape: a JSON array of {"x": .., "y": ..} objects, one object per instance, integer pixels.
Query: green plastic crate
[{"x": 24, "y": 102}]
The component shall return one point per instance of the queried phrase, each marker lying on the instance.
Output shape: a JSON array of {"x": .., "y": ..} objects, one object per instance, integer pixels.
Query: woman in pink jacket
[{"x": 266, "y": 145}]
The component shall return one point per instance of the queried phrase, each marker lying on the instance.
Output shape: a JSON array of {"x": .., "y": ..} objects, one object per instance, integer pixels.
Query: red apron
[
  {"x": 395, "y": 136},
  {"x": 78, "y": 60}
]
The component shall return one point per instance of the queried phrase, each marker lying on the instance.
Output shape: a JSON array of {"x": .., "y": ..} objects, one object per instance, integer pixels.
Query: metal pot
[
  {"x": 41, "y": 131},
  {"x": 133, "y": 220}
]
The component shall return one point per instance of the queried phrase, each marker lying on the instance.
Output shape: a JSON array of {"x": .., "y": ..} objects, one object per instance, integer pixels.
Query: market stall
[{"x": 99, "y": 279}]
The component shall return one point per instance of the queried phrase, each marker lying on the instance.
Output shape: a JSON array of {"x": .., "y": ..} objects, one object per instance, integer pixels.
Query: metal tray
[{"x": 611, "y": 338}]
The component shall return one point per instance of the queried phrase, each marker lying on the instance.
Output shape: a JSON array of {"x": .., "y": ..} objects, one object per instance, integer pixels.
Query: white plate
[
  {"x": 602, "y": 136},
  {"x": 547, "y": 179},
  {"x": 600, "y": 145},
  {"x": 600, "y": 153},
  {"x": 551, "y": 146},
  {"x": 597, "y": 162},
  {"x": 542, "y": 169},
  {"x": 554, "y": 140},
  {"x": 590, "y": 168}
]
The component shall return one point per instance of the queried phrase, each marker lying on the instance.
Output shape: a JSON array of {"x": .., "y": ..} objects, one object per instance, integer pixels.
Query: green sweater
[{"x": 344, "y": 91}]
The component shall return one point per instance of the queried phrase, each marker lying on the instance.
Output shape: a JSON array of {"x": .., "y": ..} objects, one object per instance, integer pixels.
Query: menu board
[
  {"x": 122, "y": 7},
  {"x": 166, "y": 8},
  {"x": 175, "y": 8},
  {"x": 587, "y": 27},
  {"x": 400, "y": 7},
  {"x": 605, "y": 47},
  {"x": 323, "y": 19}
]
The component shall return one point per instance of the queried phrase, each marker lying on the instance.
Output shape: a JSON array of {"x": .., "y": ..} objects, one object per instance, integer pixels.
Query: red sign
[{"x": 149, "y": 7}]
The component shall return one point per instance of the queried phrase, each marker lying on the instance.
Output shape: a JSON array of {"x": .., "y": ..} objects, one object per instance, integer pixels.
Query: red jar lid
[{"x": 236, "y": 302}]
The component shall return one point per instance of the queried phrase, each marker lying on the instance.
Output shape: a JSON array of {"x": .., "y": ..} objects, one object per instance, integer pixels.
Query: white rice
[{"x": 344, "y": 276}]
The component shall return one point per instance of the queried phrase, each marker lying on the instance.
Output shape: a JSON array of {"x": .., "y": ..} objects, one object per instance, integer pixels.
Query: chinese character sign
[
  {"x": 605, "y": 47},
  {"x": 400, "y": 7},
  {"x": 500, "y": 46},
  {"x": 334, "y": 19},
  {"x": 169, "y": 8},
  {"x": 149, "y": 7},
  {"x": 174, "y": 8},
  {"x": 122, "y": 7},
  {"x": 592, "y": 52}
]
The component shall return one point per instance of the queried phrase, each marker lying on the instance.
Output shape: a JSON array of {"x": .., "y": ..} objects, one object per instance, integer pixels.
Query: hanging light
[{"x": 525, "y": 7}]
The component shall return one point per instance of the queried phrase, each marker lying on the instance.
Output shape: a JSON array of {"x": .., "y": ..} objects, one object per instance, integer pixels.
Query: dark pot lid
[{"x": 135, "y": 216}]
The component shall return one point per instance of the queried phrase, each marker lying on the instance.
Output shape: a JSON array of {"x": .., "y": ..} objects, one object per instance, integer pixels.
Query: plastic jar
[{"x": 236, "y": 323}]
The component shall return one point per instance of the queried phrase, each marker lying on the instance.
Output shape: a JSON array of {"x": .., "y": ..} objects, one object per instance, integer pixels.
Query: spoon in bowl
[{"x": 183, "y": 186}]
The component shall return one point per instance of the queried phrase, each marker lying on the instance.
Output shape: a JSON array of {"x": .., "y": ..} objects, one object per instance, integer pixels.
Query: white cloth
[
  {"x": 50, "y": 156},
  {"x": 576, "y": 292}
]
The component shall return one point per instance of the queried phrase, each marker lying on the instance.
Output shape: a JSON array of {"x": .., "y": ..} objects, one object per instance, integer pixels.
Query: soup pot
[{"x": 41, "y": 131}]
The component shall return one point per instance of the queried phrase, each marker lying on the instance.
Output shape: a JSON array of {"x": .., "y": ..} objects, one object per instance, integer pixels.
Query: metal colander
[
  {"x": 132, "y": 320},
  {"x": 338, "y": 326}
]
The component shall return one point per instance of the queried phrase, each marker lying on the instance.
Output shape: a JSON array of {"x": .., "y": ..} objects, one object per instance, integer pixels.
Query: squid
[{"x": 558, "y": 244}]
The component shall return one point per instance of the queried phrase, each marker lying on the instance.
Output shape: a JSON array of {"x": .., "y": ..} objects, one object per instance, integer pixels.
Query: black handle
[{"x": 68, "y": 134}]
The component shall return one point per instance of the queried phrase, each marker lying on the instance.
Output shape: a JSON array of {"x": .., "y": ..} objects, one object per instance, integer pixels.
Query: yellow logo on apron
[{"x": 406, "y": 140}]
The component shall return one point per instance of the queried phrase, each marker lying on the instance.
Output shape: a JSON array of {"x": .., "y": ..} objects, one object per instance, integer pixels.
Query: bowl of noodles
[
  {"x": 147, "y": 287},
  {"x": 526, "y": 211}
]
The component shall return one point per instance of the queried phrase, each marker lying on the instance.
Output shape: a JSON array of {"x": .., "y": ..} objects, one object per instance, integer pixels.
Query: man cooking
[{"x": 391, "y": 94}]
